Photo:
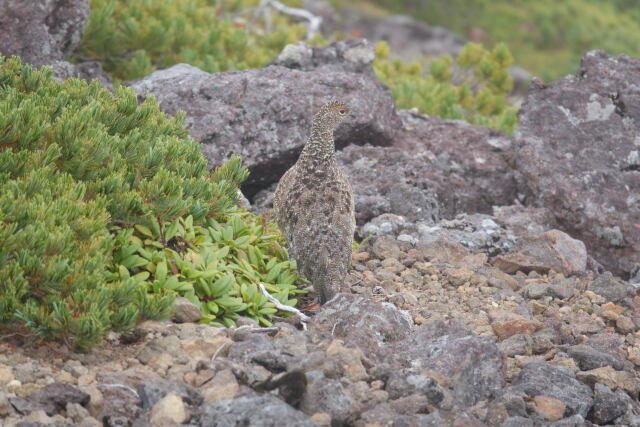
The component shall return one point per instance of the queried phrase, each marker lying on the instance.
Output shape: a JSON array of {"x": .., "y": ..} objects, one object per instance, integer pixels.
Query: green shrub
[
  {"x": 474, "y": 87},
  {"x": 132, "y": 38},
  {"x": 80, "y": 167},
  {"x": 217, "y": 266}
]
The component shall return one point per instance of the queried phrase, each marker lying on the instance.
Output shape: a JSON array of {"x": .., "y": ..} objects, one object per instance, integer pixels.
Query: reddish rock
[
  {"x": 506, "y": 324},
  {"x": 549, "y": 408},
  {"x": 551, "y": 250}
]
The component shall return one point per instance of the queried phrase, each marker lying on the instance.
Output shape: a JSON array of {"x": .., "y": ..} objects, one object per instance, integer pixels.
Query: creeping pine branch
[
  {"x": 314, "y": 21},
  {"x": 303, "y": 317}
]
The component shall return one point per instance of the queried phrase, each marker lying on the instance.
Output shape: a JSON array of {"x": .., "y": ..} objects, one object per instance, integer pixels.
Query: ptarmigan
[{"x": 313, "y": 207}]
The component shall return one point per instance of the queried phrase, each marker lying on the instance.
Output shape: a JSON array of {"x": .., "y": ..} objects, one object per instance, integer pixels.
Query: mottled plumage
[{"x": 313, "y": 207}]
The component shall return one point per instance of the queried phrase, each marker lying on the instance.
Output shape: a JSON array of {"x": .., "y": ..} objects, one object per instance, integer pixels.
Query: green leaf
[
  {"x": 161, "y": 271},
  {"x": 213, "y": 307},
  {"x": 171, "y": 283},
  {"x": 124, "y": 273},
  {"x": 237, "y": 225},
  {"x": 222, "y": 285},
  {"x": 185, "y": 287},
  {"x": 230, "y": 303},
  {"x": 222, "y": 252},
  {"x": 171, "y": 231},
  {"x": 141, "y": 277},
  {"x": 145, "y": 231},
  {"x": 241, "y": 241},
  {"x": 227, "y": 233},
  {"x": 274, "y": 272}
]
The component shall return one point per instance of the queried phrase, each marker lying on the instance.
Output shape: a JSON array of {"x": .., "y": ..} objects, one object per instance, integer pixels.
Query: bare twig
[
  {"x": 303, "y": 317},
  {"x": 218, "y": 350},
  {"x": 314, "y": 21},
  {"x": 334, "y": 328}
]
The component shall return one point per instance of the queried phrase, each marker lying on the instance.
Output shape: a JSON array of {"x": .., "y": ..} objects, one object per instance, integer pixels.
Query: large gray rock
[
  {"x": 256, "y": 410},
  {"x": 541, "y": 378},
  {"x": 45, "y": 32},
  {"x": 151, "y": 392},
  {"x": 612, "y": 289},
  {"x": 351, "y": 55},
  {"x": 384, "y": 181},
  {"x": 362, "y": 323},
  {"x": 55, "y": 396},
  {"x": 578, "y": 145},
  {"x": 473, "y": 364},
  {"x": 435, "y": 168},
  {"x": 446, "y": 240},
  {"x": 608, "y": 405},
  {"x": 332, "y": 397},
  {"x": 41, "y": 31},
  {"x": 260, "y": 350},
  {"x": 264, "y": 114},
  {"x": 589, "y": 358},
  {"x": 551, "y": 250}
]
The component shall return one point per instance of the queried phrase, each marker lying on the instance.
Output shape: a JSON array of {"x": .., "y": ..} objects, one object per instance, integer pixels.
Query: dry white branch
[
  {"x": 303, "y": 317},
  {"x": 314, "y": 21},
  {"x": 218, "y": 350}
]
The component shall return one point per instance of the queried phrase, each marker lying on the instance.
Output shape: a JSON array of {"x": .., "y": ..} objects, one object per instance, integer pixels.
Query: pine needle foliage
[
  {"x": 132, "y": 38},
  {"x": 78, "y": 164},
  {"x": 473, "y": 87}
]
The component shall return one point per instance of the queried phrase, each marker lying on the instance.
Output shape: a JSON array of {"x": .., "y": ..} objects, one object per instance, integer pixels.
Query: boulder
[
  {"x": 611, "y": 288},
  {"x": 41, "y": 31},
  {"x": 551, "y": 250},
  {"x": 260, "y": 410},
  {"x": 45, "y": 32},
  {"x": 55, "y": 396},
  {"x": 332, "y": 397},
  {"x": 385, "y": 180},
  {"x": 608, "y": 405},
  {"x": 265, "y": 114},
  {"x": 541, "y": 378},
  {"x": 435, "y": 168},
  {"x": 471, "y": 364},
  {"x": 351, "y": 56},
  {"x": 365, "y": 324},
  {"x": 578, "y": 147},
  {"x": 589, "y": 358},
  {"x": 466, "y": 239}
]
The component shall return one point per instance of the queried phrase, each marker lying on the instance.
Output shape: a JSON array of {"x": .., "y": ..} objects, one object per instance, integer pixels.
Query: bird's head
[{"x": 330, "y": 116}]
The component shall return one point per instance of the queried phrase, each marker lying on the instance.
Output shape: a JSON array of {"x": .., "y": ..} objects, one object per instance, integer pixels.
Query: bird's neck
[{"x": 320, "y": 147}]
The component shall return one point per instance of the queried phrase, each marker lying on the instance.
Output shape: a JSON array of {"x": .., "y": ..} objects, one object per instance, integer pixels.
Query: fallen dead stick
[{"x": 303, "y": 317}]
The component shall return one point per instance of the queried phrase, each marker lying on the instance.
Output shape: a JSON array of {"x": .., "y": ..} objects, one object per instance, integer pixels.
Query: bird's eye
[{"x": 342, "y": 111}]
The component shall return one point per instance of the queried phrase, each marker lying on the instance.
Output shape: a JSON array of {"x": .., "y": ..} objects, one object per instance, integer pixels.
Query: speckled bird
[{"x": 313, "y": 207}]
